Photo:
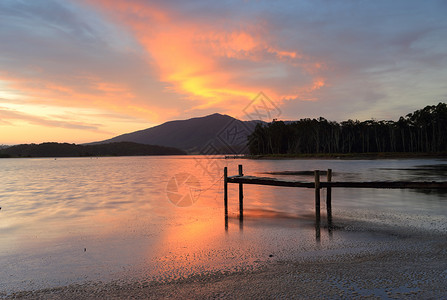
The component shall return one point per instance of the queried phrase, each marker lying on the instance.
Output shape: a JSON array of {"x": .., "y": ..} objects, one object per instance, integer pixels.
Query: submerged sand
[{"x": 413, "y": 267}]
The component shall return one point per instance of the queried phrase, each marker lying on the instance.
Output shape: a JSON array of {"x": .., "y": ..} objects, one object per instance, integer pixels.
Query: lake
[{"x": 75, "y": 220}]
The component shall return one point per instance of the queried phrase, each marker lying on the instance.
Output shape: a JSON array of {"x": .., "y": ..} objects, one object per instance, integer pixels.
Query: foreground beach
[{"x": 409, "y": 265}]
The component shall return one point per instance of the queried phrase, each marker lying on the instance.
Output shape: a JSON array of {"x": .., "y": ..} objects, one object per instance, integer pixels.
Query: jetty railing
[{"x": 318, "y": 185}]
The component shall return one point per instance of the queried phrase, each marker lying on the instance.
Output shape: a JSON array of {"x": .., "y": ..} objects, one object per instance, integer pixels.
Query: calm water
[{"x": 72, "y": 220}]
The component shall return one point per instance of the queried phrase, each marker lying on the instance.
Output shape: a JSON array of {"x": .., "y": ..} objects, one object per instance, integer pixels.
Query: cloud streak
[{"x": 9, "y": 117}]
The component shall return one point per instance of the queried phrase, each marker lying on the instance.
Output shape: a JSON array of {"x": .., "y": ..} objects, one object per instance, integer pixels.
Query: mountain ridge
[{"x": 211, "y": 134}]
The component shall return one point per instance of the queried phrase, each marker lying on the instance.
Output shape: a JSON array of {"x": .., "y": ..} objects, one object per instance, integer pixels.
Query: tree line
[
  {"x": 424, "y": 130},
  {"x": 73, "y": 150}
]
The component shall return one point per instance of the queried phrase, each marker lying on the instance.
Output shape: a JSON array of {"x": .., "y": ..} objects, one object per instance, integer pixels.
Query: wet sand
[{"x": 412, "y": 267}]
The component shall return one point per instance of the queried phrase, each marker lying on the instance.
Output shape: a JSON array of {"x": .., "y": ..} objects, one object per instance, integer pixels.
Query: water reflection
[
  {"x": 118, "y": 209},
  {"x": 271, "y": 217},
  {"x": 425, "y": 172}
]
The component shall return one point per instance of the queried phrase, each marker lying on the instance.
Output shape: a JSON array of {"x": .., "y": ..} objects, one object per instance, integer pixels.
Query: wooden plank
[
  {"x": 339, "y": 184},
  {"x": 295, "y": 173},
  {"x": 269, "y": 181},
  {"x": 387, "y": 184}
]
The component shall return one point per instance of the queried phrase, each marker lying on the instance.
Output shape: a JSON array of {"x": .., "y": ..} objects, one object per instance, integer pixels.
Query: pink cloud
[
  {"x": 202, "y": 60},
  {"x": 9, "y": 117}
]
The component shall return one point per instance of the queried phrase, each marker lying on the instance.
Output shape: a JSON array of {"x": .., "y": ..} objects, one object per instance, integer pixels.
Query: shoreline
[
  {"x": 410, "y": 266},
  {"x": 346, "y": 156},
  {"x": 322, "y": 156}
]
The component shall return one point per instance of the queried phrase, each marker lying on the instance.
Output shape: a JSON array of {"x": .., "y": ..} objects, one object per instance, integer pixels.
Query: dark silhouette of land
[
  {"x": 73, "y": 150},
  {"x": 223, "y": 133},
  {"x": 423, "y": 131}
]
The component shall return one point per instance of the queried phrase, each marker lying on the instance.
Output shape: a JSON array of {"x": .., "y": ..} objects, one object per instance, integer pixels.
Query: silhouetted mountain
[
  {"x": 72, "y": 150},
  {"x": 211, "y": 134}
]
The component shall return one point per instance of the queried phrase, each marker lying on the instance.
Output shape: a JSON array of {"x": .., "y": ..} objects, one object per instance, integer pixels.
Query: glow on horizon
[
  {"x": 82, "y": 71},
  {"x": 30, "y": 119}
]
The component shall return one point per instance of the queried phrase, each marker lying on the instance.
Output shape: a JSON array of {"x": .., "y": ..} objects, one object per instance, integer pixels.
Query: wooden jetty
[{"x": 318, "y": 185}]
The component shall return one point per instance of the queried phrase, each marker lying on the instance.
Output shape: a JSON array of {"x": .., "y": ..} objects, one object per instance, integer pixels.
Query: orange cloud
[
  {"x": 94, "y": 93},
  {"x": 204, "y": 62},
  {"x": 8, "y": 114}
]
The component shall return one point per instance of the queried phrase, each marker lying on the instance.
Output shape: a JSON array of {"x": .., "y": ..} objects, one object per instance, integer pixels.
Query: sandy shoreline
[{"x": 413, "y": 267}]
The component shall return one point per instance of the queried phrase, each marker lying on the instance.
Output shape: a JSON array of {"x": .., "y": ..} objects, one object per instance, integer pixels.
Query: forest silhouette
[{"x": 424, "y": 130}]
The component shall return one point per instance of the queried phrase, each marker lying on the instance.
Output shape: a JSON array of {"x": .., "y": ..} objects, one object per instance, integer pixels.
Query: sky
[{"x": 87, "y": 70}]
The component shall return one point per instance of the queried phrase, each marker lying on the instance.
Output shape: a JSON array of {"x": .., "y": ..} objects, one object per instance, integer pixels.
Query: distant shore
[
  {"x": 98, "y": 150},
  {"x": 345, "y": 156},
  {"x": 378, "y": 155}
]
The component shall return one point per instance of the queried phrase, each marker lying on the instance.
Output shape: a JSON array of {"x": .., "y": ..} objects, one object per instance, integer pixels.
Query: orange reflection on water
[{"x": 191, "y": 240}]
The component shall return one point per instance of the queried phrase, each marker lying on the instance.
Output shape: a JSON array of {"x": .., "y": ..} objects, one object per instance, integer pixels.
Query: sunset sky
[{"x": 87, "y": 70}]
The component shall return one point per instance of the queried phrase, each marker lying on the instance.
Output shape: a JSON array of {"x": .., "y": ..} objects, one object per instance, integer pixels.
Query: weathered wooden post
[
  {"x": 317, "y": 196},
  {"x": 226, "y": 191},
  {"x": 329, "y": 201},
  {"x": 241, "y": 195}
]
